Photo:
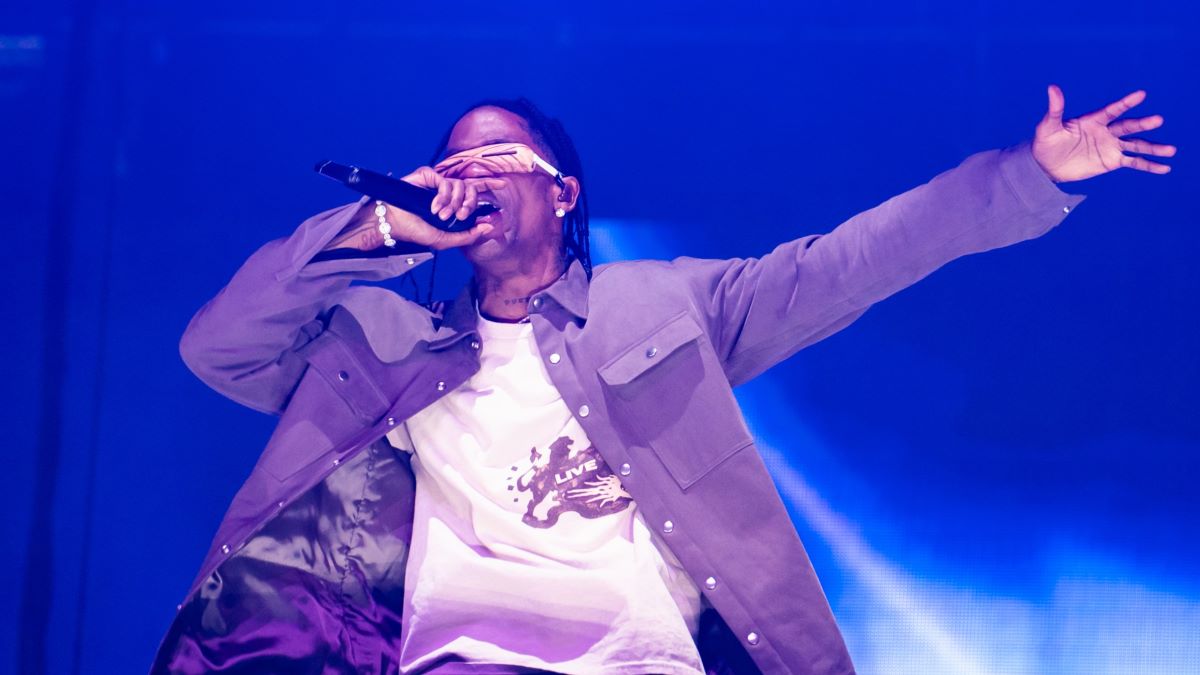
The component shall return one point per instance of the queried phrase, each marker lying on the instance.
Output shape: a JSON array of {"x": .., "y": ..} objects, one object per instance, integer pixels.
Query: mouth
[{"x": 488, "y": 210}]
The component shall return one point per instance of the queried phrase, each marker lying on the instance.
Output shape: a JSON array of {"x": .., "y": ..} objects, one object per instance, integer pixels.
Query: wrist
[{"x": 1043, "y": 164}]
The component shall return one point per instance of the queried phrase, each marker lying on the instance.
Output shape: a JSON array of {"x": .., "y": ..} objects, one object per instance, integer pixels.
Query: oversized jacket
[{"x": 306, "y": 573}]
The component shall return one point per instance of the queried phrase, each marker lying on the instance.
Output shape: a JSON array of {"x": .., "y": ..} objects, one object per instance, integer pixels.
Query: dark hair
[{"x": 548, "y": 133}]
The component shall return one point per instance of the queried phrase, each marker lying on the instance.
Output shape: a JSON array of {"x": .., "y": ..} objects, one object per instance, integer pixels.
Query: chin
[{"x": 485, "y": 250}]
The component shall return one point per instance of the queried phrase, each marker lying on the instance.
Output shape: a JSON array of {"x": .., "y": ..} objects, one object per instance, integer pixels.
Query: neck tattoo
[{"x": 516, "y": 301}]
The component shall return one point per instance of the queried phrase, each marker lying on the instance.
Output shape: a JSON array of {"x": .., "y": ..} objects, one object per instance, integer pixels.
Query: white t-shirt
[{"x": 526, "y": 550}]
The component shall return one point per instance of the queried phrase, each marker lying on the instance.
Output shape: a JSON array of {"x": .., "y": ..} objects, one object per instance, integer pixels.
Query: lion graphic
[{"x": 561, "y": 480}]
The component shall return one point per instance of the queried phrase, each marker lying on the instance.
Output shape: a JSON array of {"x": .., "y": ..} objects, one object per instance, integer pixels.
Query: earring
[{"x": 560, "y": 212}]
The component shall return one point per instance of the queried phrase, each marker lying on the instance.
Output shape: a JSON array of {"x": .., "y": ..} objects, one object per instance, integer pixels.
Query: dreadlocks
[{"x": 549, "y": 133}]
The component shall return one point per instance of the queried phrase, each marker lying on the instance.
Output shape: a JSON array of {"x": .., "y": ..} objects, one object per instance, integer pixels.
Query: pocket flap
[
  {"x": 651, "y": 350},
  {"x": 334, "y": 361}
]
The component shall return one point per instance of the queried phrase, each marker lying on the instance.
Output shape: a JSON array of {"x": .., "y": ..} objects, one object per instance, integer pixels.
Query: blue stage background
[{"x": 994, "y": 471}]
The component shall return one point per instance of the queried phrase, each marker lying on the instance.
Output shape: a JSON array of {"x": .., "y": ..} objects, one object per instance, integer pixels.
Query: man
[{"x": 550, "y": 473}]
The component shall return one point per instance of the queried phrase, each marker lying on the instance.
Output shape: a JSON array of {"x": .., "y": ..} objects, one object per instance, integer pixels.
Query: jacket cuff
[
  {"x": 1030, "y": 183},
  {"x": 310, "y": 259}
]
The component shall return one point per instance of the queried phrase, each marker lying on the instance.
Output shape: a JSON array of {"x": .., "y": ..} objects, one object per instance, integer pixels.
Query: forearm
[
  {"x": 361, "y": 233},
  {"x": 765, "y": 309},
  {"x": 242, "y": 342},
  {"x": 993, "y": 199}
]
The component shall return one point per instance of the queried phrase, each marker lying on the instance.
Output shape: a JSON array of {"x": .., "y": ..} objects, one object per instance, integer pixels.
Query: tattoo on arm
[{"x": 362, "y": 234}]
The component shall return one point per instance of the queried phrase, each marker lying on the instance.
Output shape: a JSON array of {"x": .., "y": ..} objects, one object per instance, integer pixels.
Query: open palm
[{"x": 1094, "y": 143}]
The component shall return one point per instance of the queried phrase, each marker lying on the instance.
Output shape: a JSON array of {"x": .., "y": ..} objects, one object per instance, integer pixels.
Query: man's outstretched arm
[{"x": 761, "y": 310}]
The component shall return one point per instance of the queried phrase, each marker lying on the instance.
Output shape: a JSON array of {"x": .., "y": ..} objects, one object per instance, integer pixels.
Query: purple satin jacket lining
[{"x": 320, "y": 589}]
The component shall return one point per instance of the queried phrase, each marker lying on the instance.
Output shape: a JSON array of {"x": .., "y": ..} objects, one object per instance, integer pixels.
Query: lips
[{"x": 488, "y": 210}]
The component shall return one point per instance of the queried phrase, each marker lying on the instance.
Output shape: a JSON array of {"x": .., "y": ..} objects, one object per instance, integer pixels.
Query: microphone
[{"x": 402, "y": 195}]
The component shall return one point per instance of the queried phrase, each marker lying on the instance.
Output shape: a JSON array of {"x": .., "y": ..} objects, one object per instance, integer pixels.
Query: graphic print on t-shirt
[{"x": 561, "y": 479}]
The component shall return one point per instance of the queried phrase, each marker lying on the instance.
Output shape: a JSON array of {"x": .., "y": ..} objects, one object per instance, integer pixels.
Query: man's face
[{"x": 525, "y": 227}]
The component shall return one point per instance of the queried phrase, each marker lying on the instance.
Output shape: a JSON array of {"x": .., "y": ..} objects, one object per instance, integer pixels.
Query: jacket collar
[
  {"x": 570, "y": 292},
  {"x": 458, "y": 319}
]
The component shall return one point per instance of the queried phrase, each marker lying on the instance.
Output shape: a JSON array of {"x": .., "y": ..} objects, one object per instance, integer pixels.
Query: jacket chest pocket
[
  {"x": 670, "y": 388},
  {"x": 335, "y": 399},
  {"x": 349, "y": 380}
]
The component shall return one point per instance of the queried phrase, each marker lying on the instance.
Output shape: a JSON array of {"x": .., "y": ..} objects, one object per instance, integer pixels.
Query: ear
[{"x": 568, "y": 194}]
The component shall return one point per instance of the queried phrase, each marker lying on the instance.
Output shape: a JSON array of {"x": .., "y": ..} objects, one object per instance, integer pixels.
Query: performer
[{"x": 550, "y": 473}]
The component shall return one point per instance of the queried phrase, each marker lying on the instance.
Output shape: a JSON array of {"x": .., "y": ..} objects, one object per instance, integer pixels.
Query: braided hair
[{"x": 547, "y": 132}]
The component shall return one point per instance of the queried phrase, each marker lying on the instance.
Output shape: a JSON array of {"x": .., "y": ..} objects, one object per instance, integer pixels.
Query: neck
[{"x": 504, "y": 295}]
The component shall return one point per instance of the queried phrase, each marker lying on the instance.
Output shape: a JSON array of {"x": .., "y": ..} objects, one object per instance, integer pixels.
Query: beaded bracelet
[{"x": 384, "y": 228}]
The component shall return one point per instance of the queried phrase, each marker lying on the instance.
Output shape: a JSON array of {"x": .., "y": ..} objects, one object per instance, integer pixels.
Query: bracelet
[{"x": 384, "y": 228}]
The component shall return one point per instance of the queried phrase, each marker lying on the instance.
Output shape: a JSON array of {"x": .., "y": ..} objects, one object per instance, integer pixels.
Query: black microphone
[{"x": 404, "y": 196}]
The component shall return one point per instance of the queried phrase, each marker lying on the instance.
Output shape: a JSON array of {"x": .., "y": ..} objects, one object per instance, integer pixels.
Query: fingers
[
  {"x": 459, "y": 198},
  {"x": 423, "y": 177},
  {"x": 1114, "y": 110},
  {"x": 457, "y": 190},
  {"x": 1143, "y": 164},
  {"x": 471, "y": 194},
  {"x": 1054, "y": 110},
  {"x": 1133, "y": 126},
  {"x": 470, "y": 199},
  {"x": 444, "y": 190},
  {"x": 466, "y": 238},
  {"x": 1145, "y": 147}
]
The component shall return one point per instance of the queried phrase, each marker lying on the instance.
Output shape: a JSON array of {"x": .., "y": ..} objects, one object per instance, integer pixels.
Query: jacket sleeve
[
  {"x": 762, "y": 310},
  {"x": 242, "y": 343}
]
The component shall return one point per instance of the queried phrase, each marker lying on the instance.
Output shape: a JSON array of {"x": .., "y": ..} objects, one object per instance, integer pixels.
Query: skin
[
  {"x": 1095, "y": 143},
  {"x": 519, "y": 251}
]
